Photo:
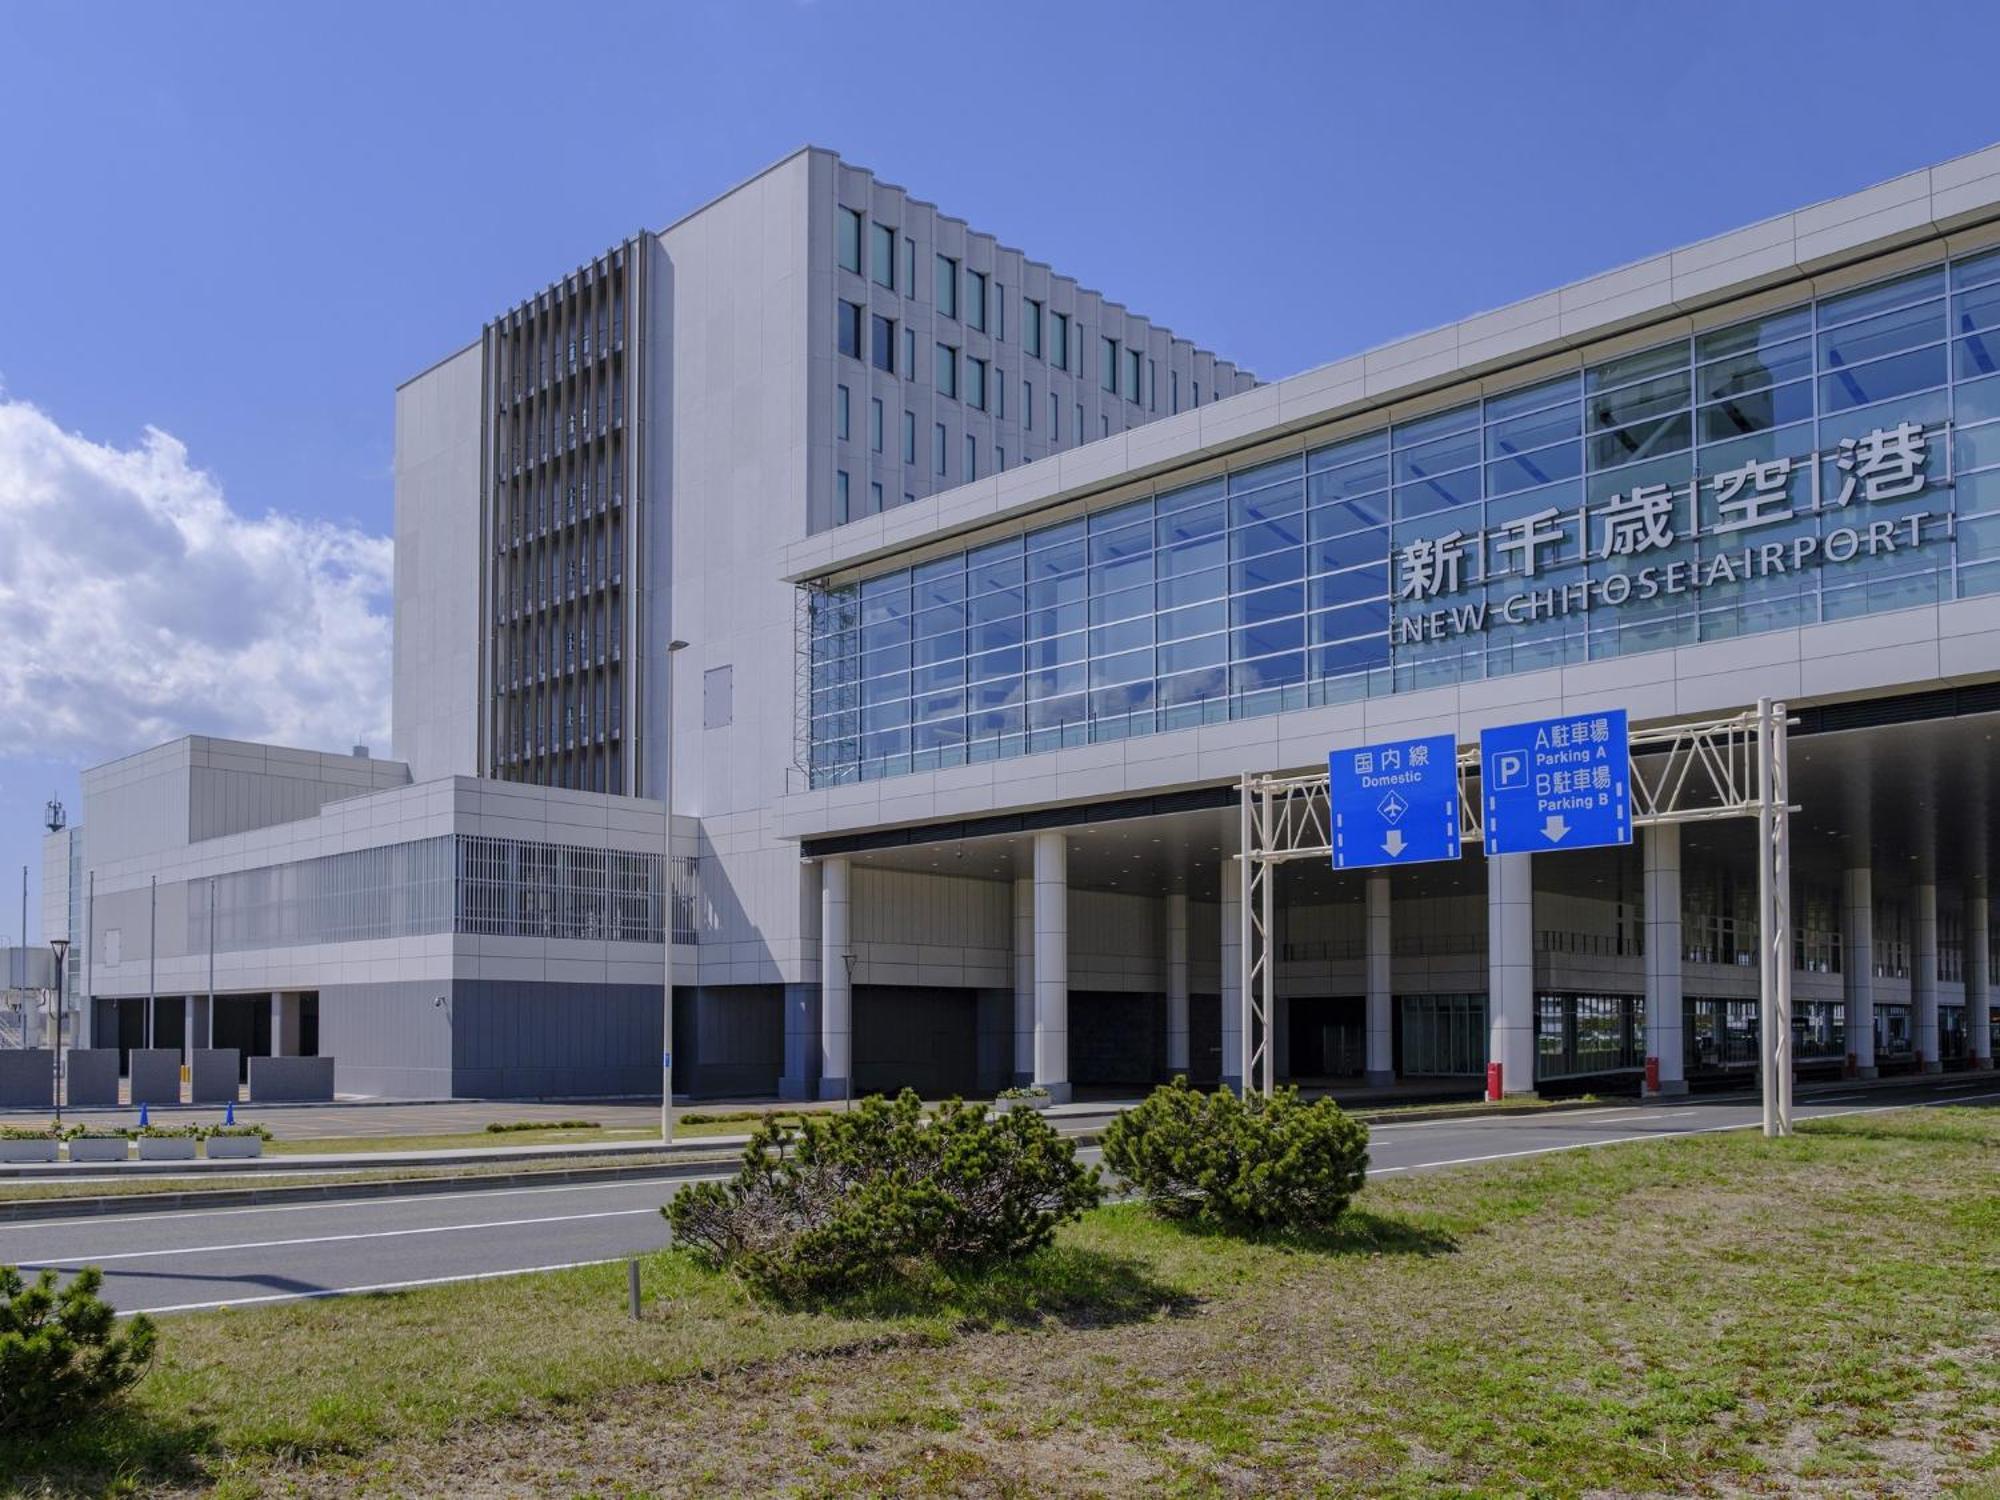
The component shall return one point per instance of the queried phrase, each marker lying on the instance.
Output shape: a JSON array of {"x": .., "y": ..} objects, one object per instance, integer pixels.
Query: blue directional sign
[
  {"x": 1395, "y": 803},
  {"x": 1556, "y": 783}
]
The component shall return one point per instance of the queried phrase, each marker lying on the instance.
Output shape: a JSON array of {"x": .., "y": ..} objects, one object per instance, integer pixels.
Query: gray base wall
[
  {"x": 393, "y": 1039},
  {"x": 729, "y": 1041},
  {"x": 291, "y": 1080},
  {"x": 156, "y": 1075},
  {"x": 522, "y": 1039},
  {"x": 90, "y": 1077},
  {"x": 27, "y": 1078},
  {"x": 213, "y": 1075},
  {"x": 924, "y": 1039}
]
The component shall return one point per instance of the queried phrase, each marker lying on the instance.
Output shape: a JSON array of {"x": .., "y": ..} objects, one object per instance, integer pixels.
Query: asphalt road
[{"x": 182, "y": 1261}]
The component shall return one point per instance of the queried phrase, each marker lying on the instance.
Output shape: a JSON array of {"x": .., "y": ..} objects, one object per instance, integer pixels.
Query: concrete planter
[
  {"x": 167, "y": 1148},
  {"x": 1032, "y": 1101},
  {"x": 99, "y": 1148},
  {"x": 25, "y": 1151},
  {"x": 234, "y": 1147}
]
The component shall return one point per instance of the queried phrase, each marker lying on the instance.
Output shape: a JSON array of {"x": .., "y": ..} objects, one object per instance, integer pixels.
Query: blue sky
[{"x": 230, "y": 230}]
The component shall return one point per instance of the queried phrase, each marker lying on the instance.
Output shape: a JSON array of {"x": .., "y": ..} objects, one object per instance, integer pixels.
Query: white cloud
[{"x": 136, "y": 604}]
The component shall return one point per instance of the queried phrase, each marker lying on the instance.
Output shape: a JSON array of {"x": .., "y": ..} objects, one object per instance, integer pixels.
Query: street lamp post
[
  {"x": 674, "y": 648},
  {"x": 60, "y": 947}
]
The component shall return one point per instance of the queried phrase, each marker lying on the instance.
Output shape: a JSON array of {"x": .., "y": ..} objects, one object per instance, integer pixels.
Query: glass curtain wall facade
[
  {"x": 460, "y": 883},
  {"x": 1835, "y": 459}
]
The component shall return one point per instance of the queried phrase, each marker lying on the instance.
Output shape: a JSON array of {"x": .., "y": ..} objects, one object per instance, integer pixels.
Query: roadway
[{"x": 180, "y": 1261}]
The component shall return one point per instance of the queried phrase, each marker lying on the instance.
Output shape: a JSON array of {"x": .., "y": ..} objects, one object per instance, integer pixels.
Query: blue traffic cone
[
  {"x": 229, "y": 1113},
  {"x": 143, "y": 1122}
]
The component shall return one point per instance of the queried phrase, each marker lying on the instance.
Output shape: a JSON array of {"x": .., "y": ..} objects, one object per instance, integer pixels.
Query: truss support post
[
  {"x": 1781, "y": 910},
  {"x": 1267, "y": 1002},
  {"x": 1774, "y": 876},
  {"x": 1247, "y": 850}
]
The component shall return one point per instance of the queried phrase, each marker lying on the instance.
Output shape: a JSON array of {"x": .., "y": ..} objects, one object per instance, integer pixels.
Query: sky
[{"x": 228, "y": 231}]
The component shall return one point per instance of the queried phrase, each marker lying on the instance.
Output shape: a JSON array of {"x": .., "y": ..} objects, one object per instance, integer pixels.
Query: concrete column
[
  {"x": 836, "y": 991},
  {"x": 1664, "y": 1010},
  {"x": 1232, "y": 975},
  {"x": 1381, "y": 1042},
  {"x": 187, "y": 1032},
  {"x": 1024, "y": 981},
  {"x": 800, "y": 1077},
  {"x": 1052, "y": 965},
  {"x": 1978, "y": 973},
  {"x": 1510, "y": 969},
  {"x": 278, "y": 1024},
  {"x": 1177, "y": 982},
  {"x": 1857, "y": 968},
  {"x": 1924, "y": 978}
]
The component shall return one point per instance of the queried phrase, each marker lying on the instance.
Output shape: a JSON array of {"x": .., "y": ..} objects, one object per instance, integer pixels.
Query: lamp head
[{"x": 677, "y": 645}]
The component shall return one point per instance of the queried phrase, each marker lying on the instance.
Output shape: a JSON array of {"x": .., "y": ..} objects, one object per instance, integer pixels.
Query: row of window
[
  {"x": 583, "y": 638},
  {"x": 873, "y": 337},
  {"x": 963, "y": 295},
  {"x": 562, "y": 569}
]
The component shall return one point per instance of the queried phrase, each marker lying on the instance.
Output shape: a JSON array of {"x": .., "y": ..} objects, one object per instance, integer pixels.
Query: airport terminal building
[{"x": 947, "y": 603}]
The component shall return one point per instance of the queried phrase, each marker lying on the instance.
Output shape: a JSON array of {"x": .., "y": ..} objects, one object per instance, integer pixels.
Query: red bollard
[
  {"x": 1652, "y": 1075},
  {"x": 1493, "y": 1081}
]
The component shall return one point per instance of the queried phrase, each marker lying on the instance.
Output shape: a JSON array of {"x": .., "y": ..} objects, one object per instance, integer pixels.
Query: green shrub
[
  {"x": 30, "y": 1133},
  {"x": 209, "y": 1132},
  {"x": 169, "y": 1132},
  {"x": 96, "y": 1133},
  {"x": 1258, "y": 1164},
  {"x": 61, "y": 1356},
  {"x": 505, "y": 1127},
  {"x": 879, "y": 1192}
]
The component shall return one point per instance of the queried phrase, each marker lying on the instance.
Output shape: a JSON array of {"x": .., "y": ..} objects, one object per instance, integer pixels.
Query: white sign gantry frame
[{"x": 1700, "y": 772}]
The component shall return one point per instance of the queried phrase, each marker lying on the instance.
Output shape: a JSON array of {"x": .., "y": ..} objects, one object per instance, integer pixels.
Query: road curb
[{"x": 30, "y": 1210}]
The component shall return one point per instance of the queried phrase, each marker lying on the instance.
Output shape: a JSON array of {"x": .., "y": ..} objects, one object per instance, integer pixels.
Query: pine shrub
[
  {"x": 843, "y": 1200},
  {"x": 1245, "y": 1165},
  {"x": 62, "y": 1357}
]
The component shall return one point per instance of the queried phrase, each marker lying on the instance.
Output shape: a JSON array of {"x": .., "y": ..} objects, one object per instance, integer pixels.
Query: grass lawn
[{"x": 1709, "y": 1315}]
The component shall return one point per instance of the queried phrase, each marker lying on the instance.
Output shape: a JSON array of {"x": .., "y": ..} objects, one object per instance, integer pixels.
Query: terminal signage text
[
  {"x": 1886, "y": 464},
  {"x": 1556, "y": 783},
  {"x": 1395, "y": 803}
]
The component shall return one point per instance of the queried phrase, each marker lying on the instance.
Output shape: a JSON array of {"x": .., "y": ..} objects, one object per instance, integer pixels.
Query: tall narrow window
[
  {"x": 1174, "y": 384},
  {"x": 1107, "y": 364},
  {"x": 975, "y": 300},
  {"x": 850, "y": 240},
  {"x": 1000, "y": 394},
  {"x": 850, "y": 330},
  {"x": 1031, "y": 326},
  {"x": 875, "y": 424},
  {"x": 1059, "y": 340},
  {"x": 909, "y": 268},
  {"x": 999, "y": 313},
  {"x": 941, "y": 450},
  {"x": 882, "y": 256},
  {"x": 947, "y": 371},
  {"x": 882, "y": 342},
  {"x": 909, "y": 353},
  {"x": 975, "y": 383},
  {"x": 1152, "y": 386},
  {"x": 947, "y": 287},
  {"x": 1132, "y": 375},
  {"x": 840, "y": 411},
  {"x": 840, "y": 511},
  {"x": 971, "y": 458},
  {"x": 874, "y": 499},
  {"x": 1028, "y": 405},
  {"x": 909, "y": 437},
  {"x": 1055, "y": 417}
]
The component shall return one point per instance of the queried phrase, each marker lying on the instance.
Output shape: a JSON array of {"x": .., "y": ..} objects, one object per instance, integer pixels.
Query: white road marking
[
  {"x": 337, "y": 1239},
  {"x": 1832, "y": 1114}
]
